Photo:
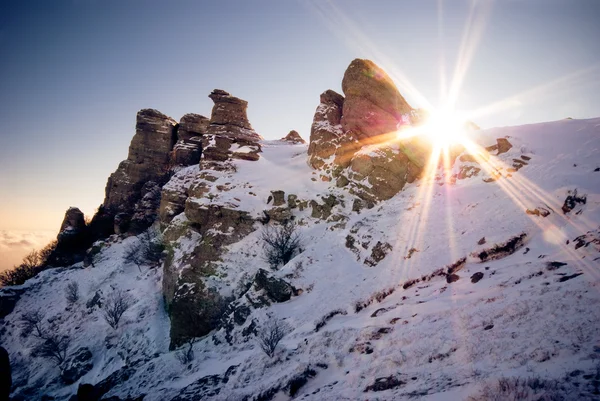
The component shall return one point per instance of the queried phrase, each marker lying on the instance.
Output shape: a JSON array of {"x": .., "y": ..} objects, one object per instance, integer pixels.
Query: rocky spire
[{"x": 229, "y": 135}]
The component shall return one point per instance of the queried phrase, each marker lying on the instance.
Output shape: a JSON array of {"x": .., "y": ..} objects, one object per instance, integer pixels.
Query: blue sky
[{"x": 74, "y": 73}]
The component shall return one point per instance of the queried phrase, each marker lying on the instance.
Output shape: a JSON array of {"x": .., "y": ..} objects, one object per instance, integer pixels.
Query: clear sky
[{"x": 73, "y": 74}]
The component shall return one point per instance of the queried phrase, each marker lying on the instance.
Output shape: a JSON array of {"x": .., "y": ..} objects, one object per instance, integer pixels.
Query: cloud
[{"x": 29, "y": 240}]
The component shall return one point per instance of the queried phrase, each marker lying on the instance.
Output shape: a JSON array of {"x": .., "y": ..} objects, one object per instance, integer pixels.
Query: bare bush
[
  {"x": 53, "y": 346},
  {"x": 270, "y": 334},
  {"x": 280, "y": 244},
  {"x": 32, "y": 323},
  {"x": 115, "y": 305},
  {"x": 147, "y": 249},
  {"x": 520, "y": 389},
  {"x": 72, "y": 292},
  {"x": 133, "y": 255}
]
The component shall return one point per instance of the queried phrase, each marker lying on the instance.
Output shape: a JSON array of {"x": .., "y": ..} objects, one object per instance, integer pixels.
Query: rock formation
[
  {"x": 187, "y": 150},
  {"x": 373, "y": 106},
  {"x": 353, "y": 139},
  {"x": 326, "y": 128},
  {"x": 293, "y": 137},
  {"x": 229, "y": 135},
  {"x": 148, "y": 160}
]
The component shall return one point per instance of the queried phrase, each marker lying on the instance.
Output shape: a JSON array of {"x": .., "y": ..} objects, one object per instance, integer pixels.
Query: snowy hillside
[{"x": 432, "y": 294}]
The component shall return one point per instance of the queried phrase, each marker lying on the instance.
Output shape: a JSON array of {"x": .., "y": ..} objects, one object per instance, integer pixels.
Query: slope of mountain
[{"x": 483, "y": 270}]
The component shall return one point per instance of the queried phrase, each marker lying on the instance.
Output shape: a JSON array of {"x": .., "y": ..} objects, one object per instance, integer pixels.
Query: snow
[{"x": 434, "y": 335}]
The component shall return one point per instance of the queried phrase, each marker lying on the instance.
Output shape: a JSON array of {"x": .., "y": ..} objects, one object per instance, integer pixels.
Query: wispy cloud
[{"x": 13, "y": 240}]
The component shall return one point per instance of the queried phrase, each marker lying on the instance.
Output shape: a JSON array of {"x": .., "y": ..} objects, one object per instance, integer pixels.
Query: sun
[{"x": 445, "y": 128}]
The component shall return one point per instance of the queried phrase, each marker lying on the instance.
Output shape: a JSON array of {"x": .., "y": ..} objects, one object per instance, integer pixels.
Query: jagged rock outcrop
[
  {"x": 229, "y": 135},
  {"x": 72, "y": 240},
  {"x": 326, "y": 128},
  {"x": 293, "y": 137},
  {"x": 148, "y": 160},
  {"x": 353, "y": 138}
]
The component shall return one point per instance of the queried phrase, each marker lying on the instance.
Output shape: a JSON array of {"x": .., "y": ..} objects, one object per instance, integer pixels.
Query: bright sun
[{"x": 444, "y": 128}]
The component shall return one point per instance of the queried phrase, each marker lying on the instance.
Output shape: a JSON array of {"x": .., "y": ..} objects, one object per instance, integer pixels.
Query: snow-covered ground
[{"x": 429, "y": 339}]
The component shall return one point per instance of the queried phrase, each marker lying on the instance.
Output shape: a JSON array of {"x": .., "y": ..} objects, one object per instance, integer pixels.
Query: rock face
[
  {"x": 229, "y": 135},
  {"x": 148, "y": 160},
  {"x": 293, "y": 137},
  {"x": 373, "y": 106},
  {"x": 353, "y": 139},
  {"x": 326, "y": 128}
]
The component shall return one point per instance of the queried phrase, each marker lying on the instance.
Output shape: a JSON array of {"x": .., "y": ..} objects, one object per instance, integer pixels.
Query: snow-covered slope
[{"x": 394, "y": 320}]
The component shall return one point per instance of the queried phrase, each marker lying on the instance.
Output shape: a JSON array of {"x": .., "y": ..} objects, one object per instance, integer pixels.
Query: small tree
[
  {"x": 280, "y": 244},
  {"x": 53, "y": 346},
  {"x": 32, "y": 323},
  {"x": 270, "y": 334},
  {"x": 115, "y": 305},
  {"x": 72, "y": 292}
]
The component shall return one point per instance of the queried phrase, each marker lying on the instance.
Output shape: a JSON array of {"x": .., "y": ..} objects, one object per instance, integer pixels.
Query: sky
[{"x": 74, "y": 73}]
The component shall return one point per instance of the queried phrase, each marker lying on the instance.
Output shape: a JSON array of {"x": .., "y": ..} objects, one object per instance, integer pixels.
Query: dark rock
[
  {"x": 276, "y": 289},
  {"x": 113, "y": 380},
  {"x": 206, "y": 387},
  {"x": 502, "y": 250},
  {"x": 476, "y": 277},
  {"x": 385, "y": 383},
  {"x": 451, "y": 278},
  {"x": 278, "y": 198},
  {"x": 378, "y": 253},
  {"x": 5, "y": 375},
  {"x": 572, "y": 200},
  {"x": 121, "y": 223},
  {"x": 87, "y": 392},
  {"x": 566, "y": 278},
  {"x": 481, "y": 241},
  {"x": 8, "y": 300},
  {"x": 489, "y": 327},
  {"x": 554, "y": 265},
  {"x": 77, "y": 365}
]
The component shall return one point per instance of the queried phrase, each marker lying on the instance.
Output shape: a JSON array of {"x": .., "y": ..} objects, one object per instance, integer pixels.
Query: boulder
[
  {"x": 372, "y": 106},
  {"x": 77, "y": 365},
  {"x": 192, "y": 126},
  {"x": 326, "y": 128},
  {"x": 293, "y": 137},
  {"x": 278, "y": 290},
  {"x": 188, "y": 148}
]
